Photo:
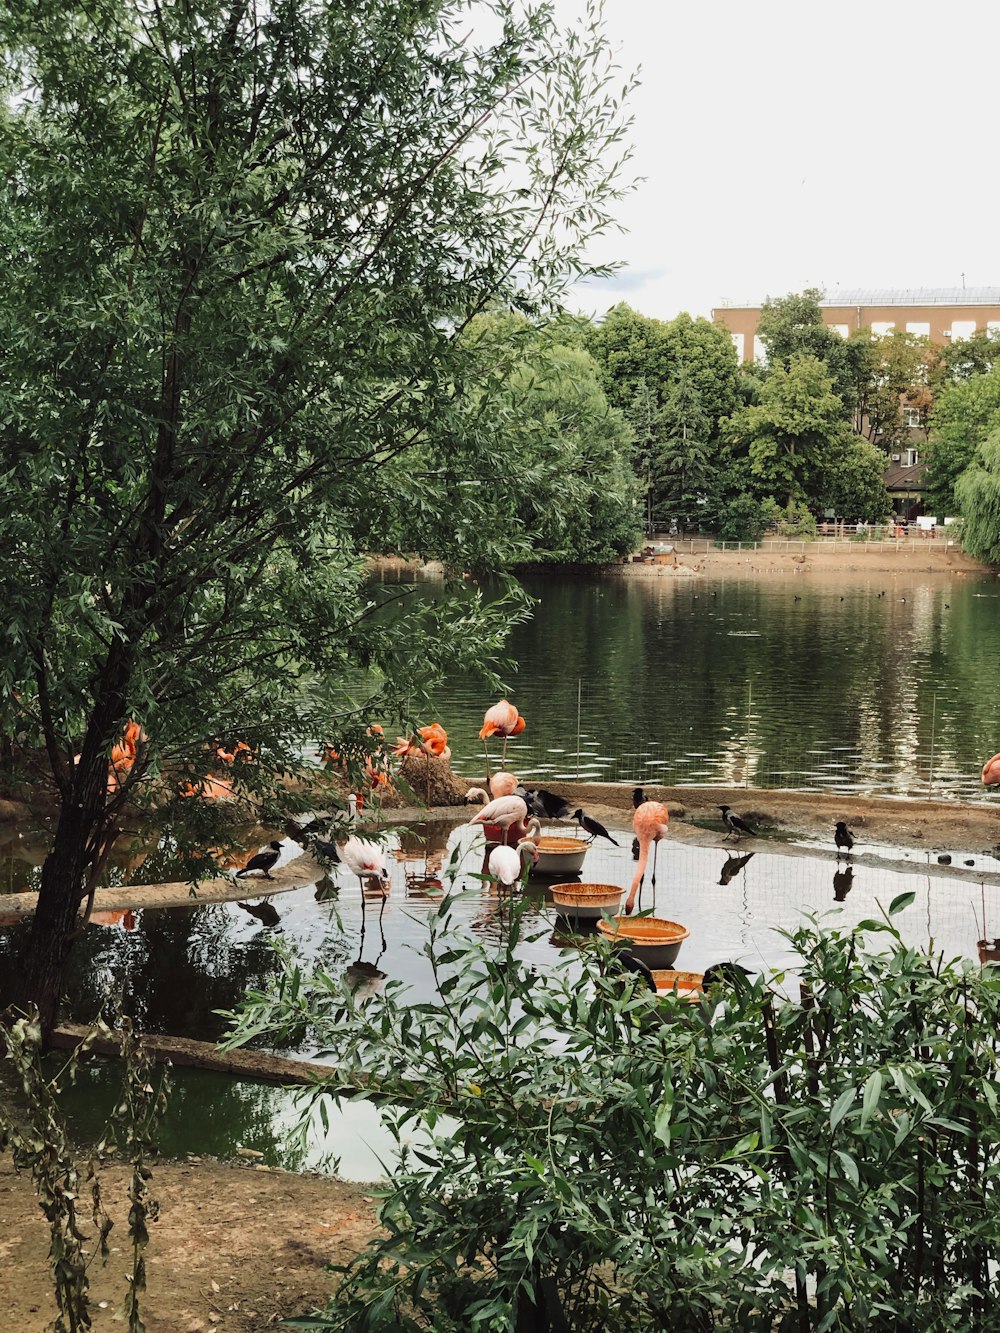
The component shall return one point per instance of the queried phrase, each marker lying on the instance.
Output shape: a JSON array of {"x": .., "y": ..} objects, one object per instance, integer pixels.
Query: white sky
[{"x": 787, "y": 143}]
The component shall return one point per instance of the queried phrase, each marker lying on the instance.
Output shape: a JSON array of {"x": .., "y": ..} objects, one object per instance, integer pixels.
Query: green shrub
[{"x": 622, "y": 1161}]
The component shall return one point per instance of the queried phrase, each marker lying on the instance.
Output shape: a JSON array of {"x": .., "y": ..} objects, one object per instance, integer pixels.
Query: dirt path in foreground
[{"x": 235, "y": 1248}]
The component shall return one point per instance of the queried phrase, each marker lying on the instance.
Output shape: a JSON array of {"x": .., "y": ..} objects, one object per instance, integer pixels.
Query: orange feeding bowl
[
  {"x": 688, "y": 985},
  {"x": 560, "y": 855},
  {"x": 654, "y": 940},
  {"x": 586, "y": 901}
]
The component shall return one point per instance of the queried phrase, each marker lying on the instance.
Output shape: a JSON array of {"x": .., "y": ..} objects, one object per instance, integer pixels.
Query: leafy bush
[
  {"x": 796, "y": 521},
  {"x": 745, "y": 519},
  {"x": 600, "y": 1158}
]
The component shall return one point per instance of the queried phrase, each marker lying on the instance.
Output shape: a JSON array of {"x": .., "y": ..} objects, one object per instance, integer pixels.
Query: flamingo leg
[
  {"x": 381, "y": 929},
  {"x": 486, "y": 752},
  {"x": 503, "y": 754}
]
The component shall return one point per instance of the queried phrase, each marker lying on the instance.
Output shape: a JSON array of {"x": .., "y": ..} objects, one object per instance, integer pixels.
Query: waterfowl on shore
[
  {"x": 262, "y": 861},
  {"x": 734, "y": 824},
  {"x": 592, "y": 827},
  {"x": 843, "y": 837}
]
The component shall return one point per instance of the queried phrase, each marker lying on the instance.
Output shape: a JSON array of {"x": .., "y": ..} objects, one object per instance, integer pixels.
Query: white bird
[
  {"x": 505, "y": 865},
  {"x": 475, "y": 794},
  {"x": 365, "y": 859},
  {"x": 505, "y": 810}
]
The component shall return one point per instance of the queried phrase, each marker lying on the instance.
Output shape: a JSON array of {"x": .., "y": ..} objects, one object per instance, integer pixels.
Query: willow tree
[
  {"x": 978, "y": 493},
  {"x": 239, "y": 244}
]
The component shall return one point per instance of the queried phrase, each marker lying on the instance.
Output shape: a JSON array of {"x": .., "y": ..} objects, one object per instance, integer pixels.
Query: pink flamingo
[
  {"x": 991, "y": 771},
  {"x": 504, "y": 720},
  {"x": 651, "y": 822},
  {"x": 504, "y": 811}
]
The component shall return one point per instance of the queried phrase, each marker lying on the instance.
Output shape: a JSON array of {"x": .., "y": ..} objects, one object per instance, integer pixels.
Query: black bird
[
  {"x": 726, "y": 974},
  {"x": 629, "y": 963},
  {"x": 635, "y": 849},
  {"x": 327, "y": 850},
  {"x": 544, "y": 804},
  {"x": 842, "y": 883},
  {"x": 843, "y": 838},
  {"x": 733, "y": 865},
  {"x": 592, "y": 827},
  {"x": 638, "y": 797},
  {"x": 734, "y": 824},
  {"x": 262, "y": 861}
]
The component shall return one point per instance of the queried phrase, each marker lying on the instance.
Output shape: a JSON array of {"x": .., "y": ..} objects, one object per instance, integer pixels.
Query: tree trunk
[{"x": 83, "y": 817}]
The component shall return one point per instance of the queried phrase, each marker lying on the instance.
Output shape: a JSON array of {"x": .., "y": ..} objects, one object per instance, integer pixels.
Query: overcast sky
[{"x": 787, "y": 144}]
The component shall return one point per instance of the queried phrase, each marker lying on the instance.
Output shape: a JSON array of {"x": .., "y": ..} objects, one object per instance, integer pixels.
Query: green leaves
[{"x": 637, "y": 1166}]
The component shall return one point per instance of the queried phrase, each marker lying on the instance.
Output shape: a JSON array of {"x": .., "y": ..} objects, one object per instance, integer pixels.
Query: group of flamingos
[{"x": 508, "y": 811}]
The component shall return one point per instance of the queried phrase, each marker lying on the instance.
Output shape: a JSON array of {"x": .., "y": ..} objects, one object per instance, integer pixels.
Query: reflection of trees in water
[
  {"x": 177, "y": 967},
  {"x": 225, "y": 1113}
]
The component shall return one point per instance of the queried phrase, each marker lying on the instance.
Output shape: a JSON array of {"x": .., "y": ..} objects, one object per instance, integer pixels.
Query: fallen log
[{"x": 255, "y": 1066}]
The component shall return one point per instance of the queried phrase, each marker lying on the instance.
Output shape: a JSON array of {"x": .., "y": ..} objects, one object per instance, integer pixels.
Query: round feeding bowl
[
  {"x": 560, "y": 855},
  {"x": 688, "y": 985},
  {"x": 588, "y": 902},
  {"x": 654, "y": 940}
]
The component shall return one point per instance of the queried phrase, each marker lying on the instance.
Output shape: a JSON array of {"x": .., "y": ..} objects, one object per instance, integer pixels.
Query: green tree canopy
[
  {"x": 676, "y": 382},
  {"x": 885, "y": 370},
  {"x": 239, "y": 247},
  {"x": 793, "y": 326},
  {"x": 560, "y": 471},
  {"x": 978, "y": 494},
  {"x": 854, "y": 486},
  {"x": 965, "y": 414},
  {"x": 791, "y": 433}
]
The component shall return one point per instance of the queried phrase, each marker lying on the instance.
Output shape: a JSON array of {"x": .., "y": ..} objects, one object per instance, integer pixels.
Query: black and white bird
[
  {"x": 735, "y": 825},
  {"x": 264, "y": 861},
  {"x": 628, "y": 962},
  {"x": 638, "y": 797},
  {"x": 843, "y": 837},
  {"x": 592, "y": 827},
  {"x": 329, "y": 851}
]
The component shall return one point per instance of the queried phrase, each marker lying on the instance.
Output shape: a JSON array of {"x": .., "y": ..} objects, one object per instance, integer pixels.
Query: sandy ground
[
  {"x": 235, "y": 1248},
  {"x": 796, "y": 559}
]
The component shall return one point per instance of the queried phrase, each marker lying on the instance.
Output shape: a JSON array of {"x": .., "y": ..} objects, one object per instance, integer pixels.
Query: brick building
[{"x": 938, "y": 313}]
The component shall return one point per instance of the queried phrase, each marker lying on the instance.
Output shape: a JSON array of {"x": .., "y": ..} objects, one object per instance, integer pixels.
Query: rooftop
[
  {"x": 914, "y": 296},
  {"x": 887, "y": 296}
]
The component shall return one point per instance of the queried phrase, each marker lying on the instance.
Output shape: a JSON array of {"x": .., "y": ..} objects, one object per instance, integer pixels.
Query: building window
[
  {"x": 842, "y": 329},
  {"x": 882, "y": 327},
  {"x": 738, "y": 342},
  {"x": 759, "y": 351},
  {"x": 919, "y": 327},
  {"x": 962, "y": 328},
  {"x": 912, "y": 418}
]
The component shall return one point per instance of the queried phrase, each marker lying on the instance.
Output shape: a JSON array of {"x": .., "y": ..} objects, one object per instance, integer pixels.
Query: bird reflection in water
[
  {"x": 362, "y": 973},
  {"x": 842, "y": 880},
  {"x": 733, "y": 865},
  {"x": 421, "y": 854},
  {"x": 265, "y": 912}
]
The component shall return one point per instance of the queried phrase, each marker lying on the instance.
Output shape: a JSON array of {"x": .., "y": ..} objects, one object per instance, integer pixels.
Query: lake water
[
  {"x": 176, "y": 967},
  {"x": 882, "y": 684}
]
